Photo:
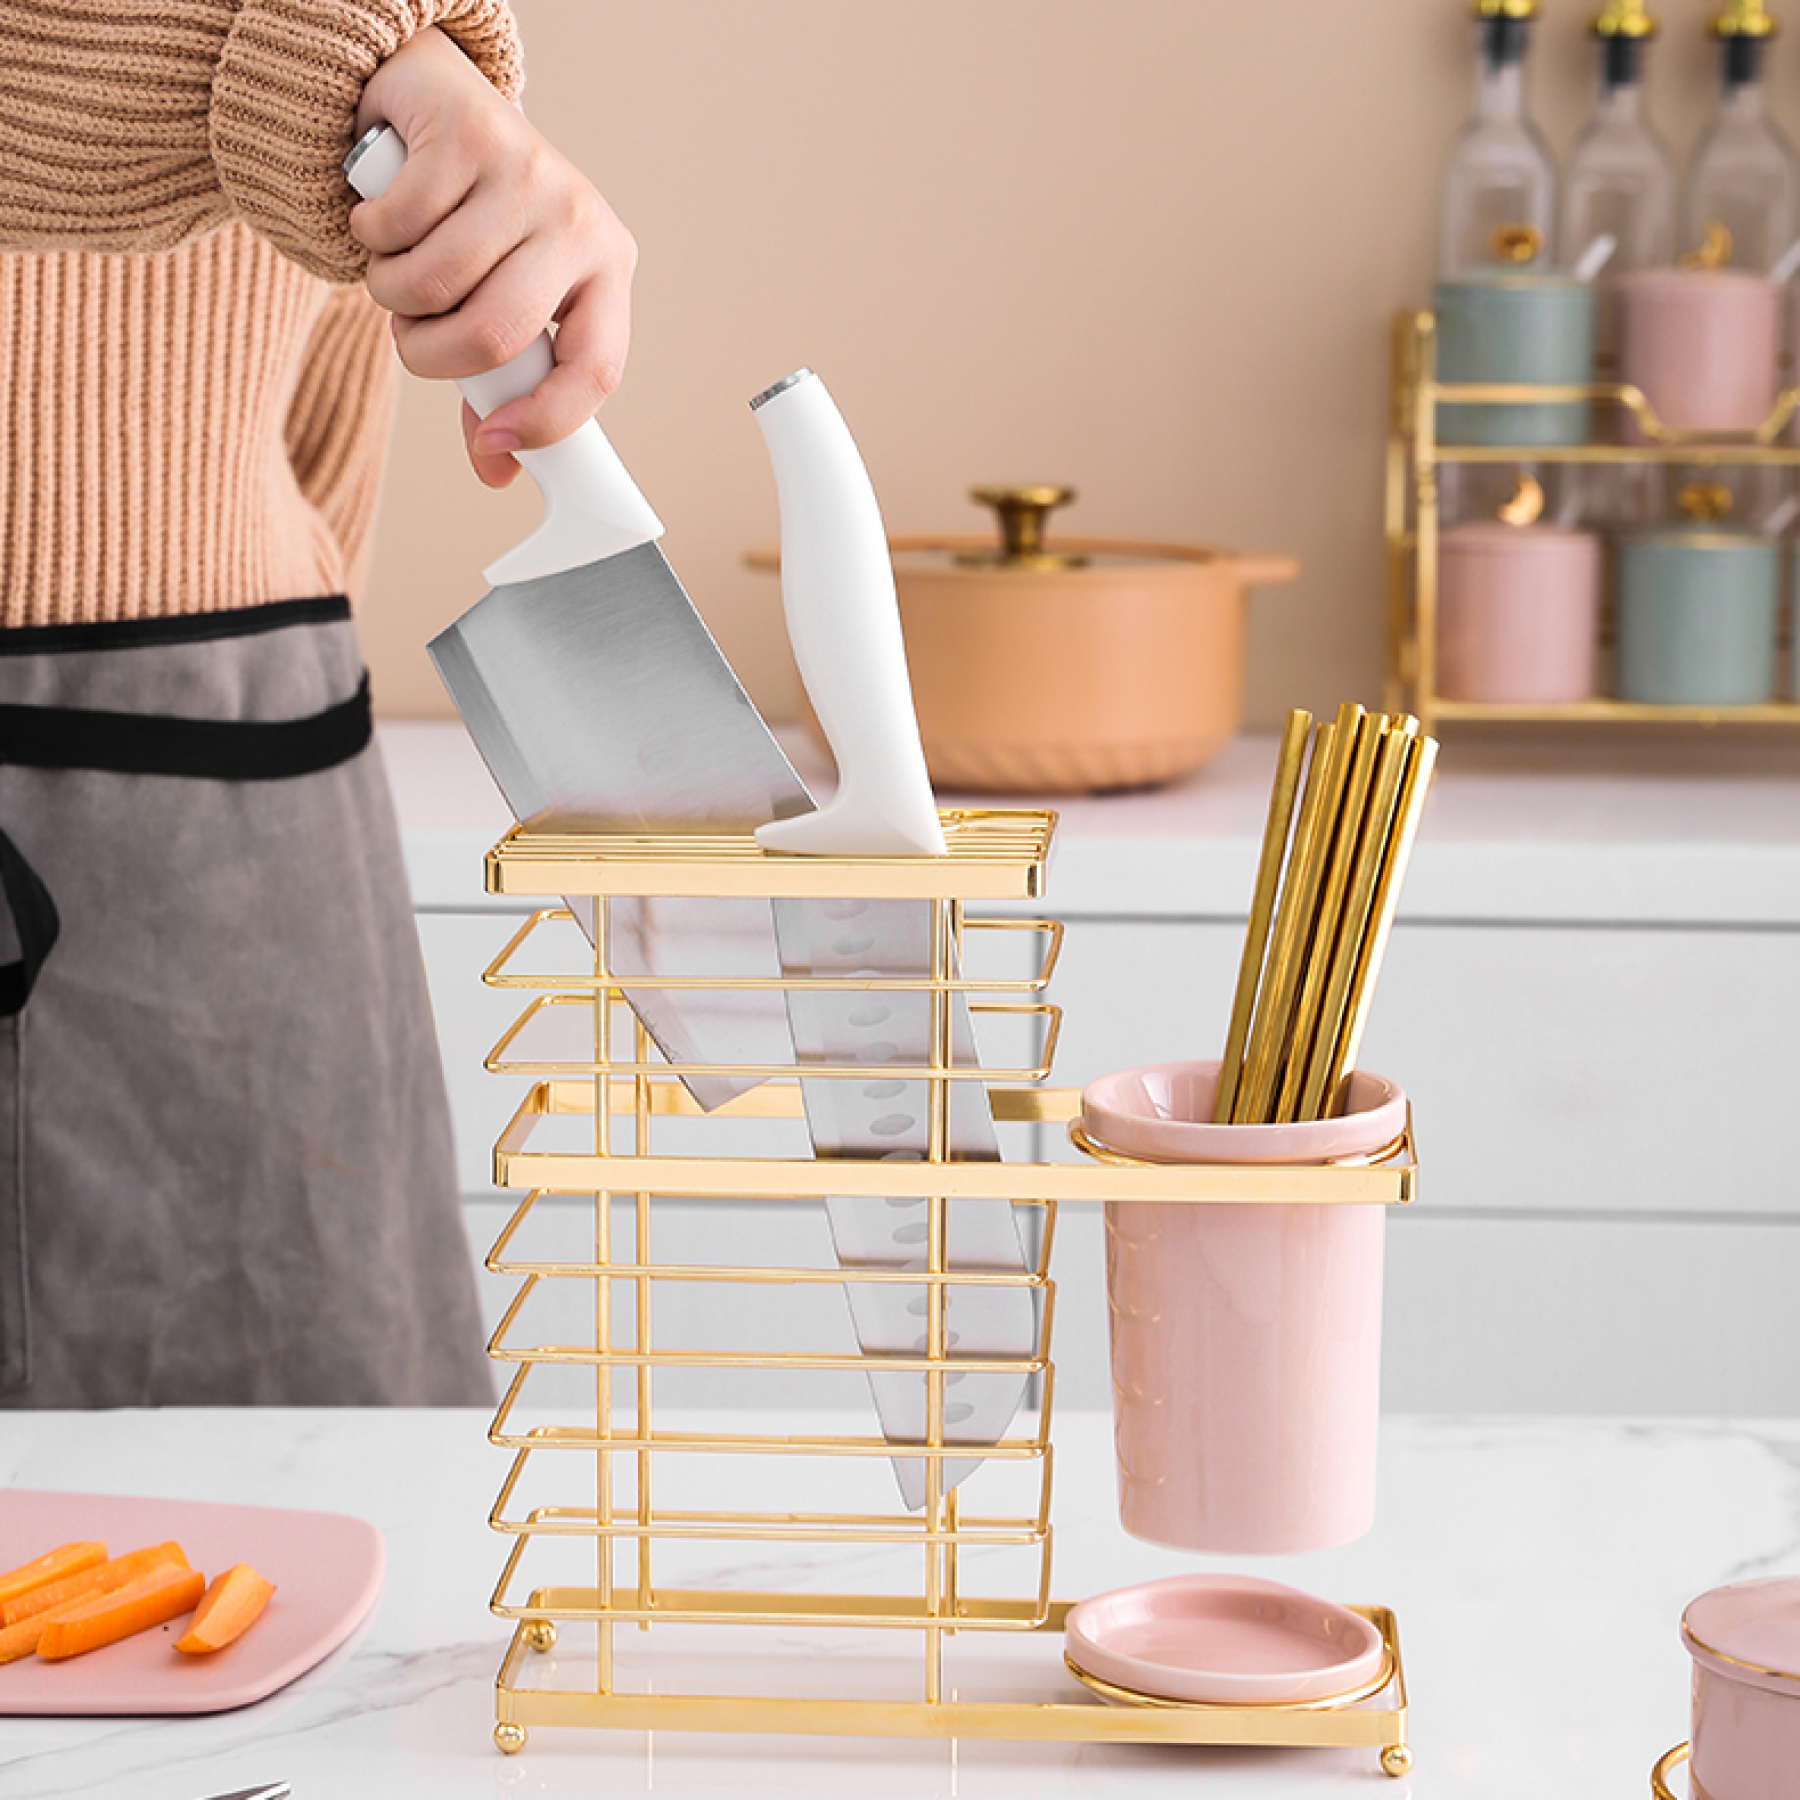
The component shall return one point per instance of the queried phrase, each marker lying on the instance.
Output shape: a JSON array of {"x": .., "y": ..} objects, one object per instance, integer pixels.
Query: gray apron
[{"x": 226, "y": 1174}]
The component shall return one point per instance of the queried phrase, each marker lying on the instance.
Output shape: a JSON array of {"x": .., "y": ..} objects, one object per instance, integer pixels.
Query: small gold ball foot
[
  {"x": 540, "y": 1635},
  {"x": 509, "y": 1737},
  {"x": 1396, "y": 1759}
]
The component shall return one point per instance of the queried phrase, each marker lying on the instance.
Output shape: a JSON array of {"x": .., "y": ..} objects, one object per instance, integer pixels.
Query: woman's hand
[{"x": 485, "y": 236}]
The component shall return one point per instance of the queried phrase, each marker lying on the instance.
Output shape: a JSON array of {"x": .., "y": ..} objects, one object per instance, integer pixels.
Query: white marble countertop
[
  {"x": 1538, "y": 1571},
  {"x": 1690, "y": 830}
]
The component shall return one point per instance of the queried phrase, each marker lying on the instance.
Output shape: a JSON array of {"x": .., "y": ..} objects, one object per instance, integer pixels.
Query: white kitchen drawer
[
  {"x": 1509, "y": 1315},
  {"x": 1551, "y": 1069}
]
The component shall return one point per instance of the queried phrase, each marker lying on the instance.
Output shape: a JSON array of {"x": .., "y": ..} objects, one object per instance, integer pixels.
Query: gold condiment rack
[
  {"x": 1414, "y": 457},
  {"x": 611, "y": 1468}
]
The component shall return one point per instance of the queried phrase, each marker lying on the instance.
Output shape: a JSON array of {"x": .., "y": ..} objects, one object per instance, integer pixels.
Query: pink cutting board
[{"x": 327, "y": 1570}]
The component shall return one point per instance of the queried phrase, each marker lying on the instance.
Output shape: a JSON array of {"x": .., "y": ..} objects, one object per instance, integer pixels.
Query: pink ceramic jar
[
  {"x": 1703, "y": 344},
  {"x": 1246, "y": 1338},
  {"x": 1745, "y": 1642},
  {"x": 1518, "y": 613}
]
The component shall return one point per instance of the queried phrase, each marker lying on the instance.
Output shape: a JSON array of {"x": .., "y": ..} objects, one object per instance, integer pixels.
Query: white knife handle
[
  {"x": 592, "y": 507},
  {"x": 843, "y": 620}
]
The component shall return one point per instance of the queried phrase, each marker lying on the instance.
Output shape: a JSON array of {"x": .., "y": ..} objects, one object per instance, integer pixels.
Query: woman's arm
[
  {"x": 486, "y": 236},
  {"x": 133, "y": 124}
]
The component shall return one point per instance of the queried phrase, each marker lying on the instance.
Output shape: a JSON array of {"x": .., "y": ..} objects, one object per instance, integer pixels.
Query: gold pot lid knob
[{"x": 1021, "y": 512}]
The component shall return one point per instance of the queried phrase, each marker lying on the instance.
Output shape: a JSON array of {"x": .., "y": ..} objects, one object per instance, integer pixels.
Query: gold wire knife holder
[{"x": 616, "y": 1472}]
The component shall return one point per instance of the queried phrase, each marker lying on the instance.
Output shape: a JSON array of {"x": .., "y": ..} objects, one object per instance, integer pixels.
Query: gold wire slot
[
  {"x": 498, "y": 974},
  {"x": 777, "y": 1098},
  {"x": 889, "y": 1071},
  {"x": 774, "y": 1274},
  {"x": 855, "y": 1362},
  {"x": 753, "y": 1527},
  {"x": 748, "y": 1444},
  {"x": 875, "y": 1612}
]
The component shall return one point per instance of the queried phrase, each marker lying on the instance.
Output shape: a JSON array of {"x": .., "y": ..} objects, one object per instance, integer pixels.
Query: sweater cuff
[{"x": 284, "y": 105}]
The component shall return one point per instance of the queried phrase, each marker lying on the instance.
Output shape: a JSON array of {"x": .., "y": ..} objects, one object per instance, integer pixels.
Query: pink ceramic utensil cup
[
  {"x": 1745, "y": 1642},
  {"x": 1246, "y": 1338}
]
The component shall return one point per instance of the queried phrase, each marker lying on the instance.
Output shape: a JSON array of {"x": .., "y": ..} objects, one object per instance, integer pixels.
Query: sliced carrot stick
[
  {"x": 101, "y": 1580},
  {"x": 229, "y": 1608},
  {"x": 151, "y": 1600},
  {"x": 21, "y": 1639},
  {"x": 65, "y": 1559}
]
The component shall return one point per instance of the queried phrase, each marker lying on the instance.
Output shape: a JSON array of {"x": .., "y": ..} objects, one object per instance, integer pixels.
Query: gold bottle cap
[
  {"x": 1743, "y": 18},
  {"x": 1504, "y": 9},
  {"x": 1624, "y": 19},
  {"x": 1021, "y": 512}
]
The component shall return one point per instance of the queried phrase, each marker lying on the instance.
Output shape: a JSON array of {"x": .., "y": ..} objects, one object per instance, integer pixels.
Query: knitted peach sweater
[{"x": 193, "y": 403}]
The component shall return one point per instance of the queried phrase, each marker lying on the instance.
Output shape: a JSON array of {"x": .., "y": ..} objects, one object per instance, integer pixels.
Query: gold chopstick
[
  {"x": 1358, "y": 912},
  {"x": 1288, "y": 764},
  {"x": 1347, "y": 847},
  {"x": 1421, "y": 759},
  {"x": 1294, "y": 917}
]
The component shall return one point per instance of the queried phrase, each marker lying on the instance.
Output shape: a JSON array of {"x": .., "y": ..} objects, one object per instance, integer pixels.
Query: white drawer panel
[
  {"x": 1550, "y": 1069},
  {"x": 1535, "y": 1316}
]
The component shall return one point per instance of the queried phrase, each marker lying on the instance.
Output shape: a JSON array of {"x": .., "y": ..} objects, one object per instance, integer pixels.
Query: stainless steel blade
[
  {"x": 600, "y": 702},
  {"x": 887, "y": 1117}
]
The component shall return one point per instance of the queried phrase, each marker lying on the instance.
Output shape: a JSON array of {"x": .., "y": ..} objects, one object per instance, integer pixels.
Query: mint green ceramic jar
[
  {"x": 1698, "y": 617},
  {"x": 1536, "y": 329}
]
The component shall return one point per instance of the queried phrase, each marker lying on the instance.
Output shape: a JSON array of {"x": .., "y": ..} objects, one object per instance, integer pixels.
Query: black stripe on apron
[{"x": 61, "y": 737}]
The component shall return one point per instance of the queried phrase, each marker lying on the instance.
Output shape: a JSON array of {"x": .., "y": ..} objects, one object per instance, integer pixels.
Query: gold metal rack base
[
  {"x": 615, "y": 1485},
  {"x": 1364, "y": 1720}
]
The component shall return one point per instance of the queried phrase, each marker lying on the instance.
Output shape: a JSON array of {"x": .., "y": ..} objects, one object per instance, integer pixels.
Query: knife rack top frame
[
  {"x": 989, "y": 855},
  {"x": 619, "y": 1479}
]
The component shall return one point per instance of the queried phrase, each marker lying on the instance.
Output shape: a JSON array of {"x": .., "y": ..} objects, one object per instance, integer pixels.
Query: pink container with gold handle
[
  {"x": 1745, "y": 1642},
  {"x": 1246, "y": 1339},
  {"x": 1704, "y": 345}
]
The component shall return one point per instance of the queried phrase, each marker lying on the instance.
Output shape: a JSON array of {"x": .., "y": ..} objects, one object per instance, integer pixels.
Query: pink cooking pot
[{"x": 1745, "y": 1642}]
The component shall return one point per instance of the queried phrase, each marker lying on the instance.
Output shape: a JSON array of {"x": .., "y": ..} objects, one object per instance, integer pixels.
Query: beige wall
[{"x": 1147, "y": 247}]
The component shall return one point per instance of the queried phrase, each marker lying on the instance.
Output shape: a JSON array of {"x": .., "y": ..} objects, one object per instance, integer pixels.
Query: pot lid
[
  {"x": 1020, "y": 543},
  {"x": 1749, "y": 1631}
]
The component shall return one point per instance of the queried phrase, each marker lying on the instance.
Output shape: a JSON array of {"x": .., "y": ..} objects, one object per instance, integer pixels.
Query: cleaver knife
[{"x": 600, "y": 702}]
